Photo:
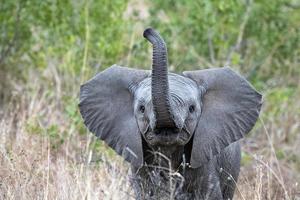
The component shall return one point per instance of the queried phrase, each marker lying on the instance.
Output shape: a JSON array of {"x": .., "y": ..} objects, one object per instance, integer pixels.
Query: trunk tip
[{"x": 148, "y": 31}]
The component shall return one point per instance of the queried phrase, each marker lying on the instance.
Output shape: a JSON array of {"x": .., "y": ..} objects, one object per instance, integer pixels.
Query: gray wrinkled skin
[
  {"x": 183, "y": 92},
  {"x": 168, "y": 175},
  {"x": 179, "y": 132},
  {"x": 199, "y": 158}
]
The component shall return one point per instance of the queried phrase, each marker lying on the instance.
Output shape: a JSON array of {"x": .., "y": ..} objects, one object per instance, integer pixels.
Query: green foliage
[
  {"x": 52, "y": 132},
  {"x": 249, "y": 34},
  {"x": 98, "y": 146},
  {"x": 246, "y": 159},
  {"x": 72, "y": 112},
  {"x": 278, "y": 99},
  {"x": 280, "y": 154},
  {"x": 257, "y": 37},
  {"x": 61, "y": 31}
]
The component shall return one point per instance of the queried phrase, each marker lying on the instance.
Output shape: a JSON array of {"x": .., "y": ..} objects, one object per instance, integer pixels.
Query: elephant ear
[
  {"x": 106, "y": 106},
  {"x": 230, "y": 108}
]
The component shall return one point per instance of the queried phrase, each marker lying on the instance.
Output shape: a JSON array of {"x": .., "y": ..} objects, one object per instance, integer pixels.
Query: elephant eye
[
  {"x": 192, "y": 108},
  {"x": 142, "y": 108}
]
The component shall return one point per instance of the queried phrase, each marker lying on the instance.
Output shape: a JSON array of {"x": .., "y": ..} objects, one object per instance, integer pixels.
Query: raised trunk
[{"x": 160, "y": 85}]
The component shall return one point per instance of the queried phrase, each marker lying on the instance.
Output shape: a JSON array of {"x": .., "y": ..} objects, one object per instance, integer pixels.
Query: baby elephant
[{"x": 180, "y": 132}]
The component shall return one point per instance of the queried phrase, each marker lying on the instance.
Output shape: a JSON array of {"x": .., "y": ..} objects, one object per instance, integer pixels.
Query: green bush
[
  {"x": 260, "y": 37},
  {"x": 63, "y": 33}
]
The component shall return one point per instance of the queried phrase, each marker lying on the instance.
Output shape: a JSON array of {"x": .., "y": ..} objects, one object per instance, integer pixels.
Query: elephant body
[
  {"x": 214, "y": 180},
  {"x": 180, "y": 132}
]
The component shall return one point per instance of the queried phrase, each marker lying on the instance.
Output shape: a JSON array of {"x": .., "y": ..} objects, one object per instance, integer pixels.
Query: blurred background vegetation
[{"x": 48, "y": 48}]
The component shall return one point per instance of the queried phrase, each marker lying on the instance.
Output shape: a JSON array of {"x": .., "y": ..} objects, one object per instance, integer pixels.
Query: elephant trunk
[{"x": 159, "y": 82}]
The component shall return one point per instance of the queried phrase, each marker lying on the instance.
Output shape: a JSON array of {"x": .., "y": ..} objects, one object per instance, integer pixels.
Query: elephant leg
[
  {"x": 228, "y": 190},
  {"x": 229, "y": 168},
  {"x": 213, "y": 192}
]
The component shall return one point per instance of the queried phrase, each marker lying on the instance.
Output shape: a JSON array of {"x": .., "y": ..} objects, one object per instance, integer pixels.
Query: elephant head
[{"x": 207, "y": 109}]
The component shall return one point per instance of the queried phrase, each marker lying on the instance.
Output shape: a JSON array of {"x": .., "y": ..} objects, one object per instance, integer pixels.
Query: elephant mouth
[{"x": 167, "y": 137}]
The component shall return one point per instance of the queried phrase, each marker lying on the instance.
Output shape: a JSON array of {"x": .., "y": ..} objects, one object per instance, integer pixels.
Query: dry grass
[
  {"x": 46, "y": 154},
  {"x": 34, "y": 165}
]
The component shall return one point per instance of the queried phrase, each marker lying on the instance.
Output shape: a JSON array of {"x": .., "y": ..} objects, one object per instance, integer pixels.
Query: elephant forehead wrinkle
[
  {"x": 184, "y": 92},
  {"x": 182, "y": 89},
  {"x": 177, "y": 99},
  {"x": 144, "y": 90},
  {"x": 182, "y": 85}
]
